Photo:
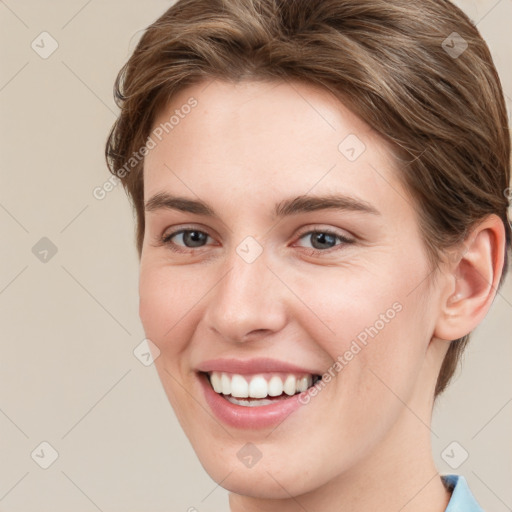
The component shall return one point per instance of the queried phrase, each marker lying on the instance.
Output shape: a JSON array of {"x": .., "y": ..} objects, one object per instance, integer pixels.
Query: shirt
[{"x": 462, "y": 499}]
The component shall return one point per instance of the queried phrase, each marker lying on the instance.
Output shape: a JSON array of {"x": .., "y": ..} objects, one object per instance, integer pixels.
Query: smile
[
  {"x": 260, "y": 389},
  {"x": 255, "y": 393}
]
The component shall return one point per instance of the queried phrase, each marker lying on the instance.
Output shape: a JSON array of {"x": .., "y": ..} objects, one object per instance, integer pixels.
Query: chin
[{"x": 264, "y": 481}]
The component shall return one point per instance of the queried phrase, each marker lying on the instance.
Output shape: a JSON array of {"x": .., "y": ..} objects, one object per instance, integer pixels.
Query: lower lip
[{"x": 240, "y": 416}]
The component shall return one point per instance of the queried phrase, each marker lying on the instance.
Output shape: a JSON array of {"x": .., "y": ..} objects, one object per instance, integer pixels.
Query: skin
[{"x": 363, "y": 443}]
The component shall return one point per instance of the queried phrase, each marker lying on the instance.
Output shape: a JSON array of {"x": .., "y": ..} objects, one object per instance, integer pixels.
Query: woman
[{"x": 320, "y": 191}]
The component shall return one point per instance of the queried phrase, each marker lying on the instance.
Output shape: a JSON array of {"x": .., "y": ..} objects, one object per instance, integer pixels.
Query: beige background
[{"x": 69, "y": 326}]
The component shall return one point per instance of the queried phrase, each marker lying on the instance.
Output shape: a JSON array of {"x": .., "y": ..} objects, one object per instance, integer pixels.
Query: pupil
[
  {"x": 193, "y": 237},
  {"x": 321, "y": 237}
]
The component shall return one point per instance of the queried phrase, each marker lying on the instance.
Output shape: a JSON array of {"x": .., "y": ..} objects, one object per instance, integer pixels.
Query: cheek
[
  {"x": 354, "y": 300},
  {"x": 166, "y": 298},
  {"x": 378, "y": 319},
  {"x": 166, "y": 309}
]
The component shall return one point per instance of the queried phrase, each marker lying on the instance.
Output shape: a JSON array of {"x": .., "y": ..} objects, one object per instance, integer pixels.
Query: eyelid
[
  {"x": 302, "y": 232},
  {"x": 172, "y": 231},
  {"x": 326, "y": 229}
]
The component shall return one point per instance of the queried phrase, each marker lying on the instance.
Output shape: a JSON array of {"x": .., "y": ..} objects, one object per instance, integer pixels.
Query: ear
[{"x": 472, "y": 280}]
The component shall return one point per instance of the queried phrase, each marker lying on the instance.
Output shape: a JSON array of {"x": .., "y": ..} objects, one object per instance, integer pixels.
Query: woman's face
[{"x": 263, "y": 287}]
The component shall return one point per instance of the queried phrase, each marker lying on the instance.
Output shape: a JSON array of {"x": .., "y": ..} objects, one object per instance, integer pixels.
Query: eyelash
[{"x": 166, "y": 240}]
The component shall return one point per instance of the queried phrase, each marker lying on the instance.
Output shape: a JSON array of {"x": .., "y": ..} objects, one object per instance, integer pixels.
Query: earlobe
[{"x": 473, "y": 278}]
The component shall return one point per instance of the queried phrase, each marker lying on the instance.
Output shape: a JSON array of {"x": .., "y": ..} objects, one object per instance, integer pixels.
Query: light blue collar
[{"x": 462, "y": 499}]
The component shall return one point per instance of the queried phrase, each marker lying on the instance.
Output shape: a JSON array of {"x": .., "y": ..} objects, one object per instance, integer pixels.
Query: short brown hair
[{"x": 394, "y": 63}]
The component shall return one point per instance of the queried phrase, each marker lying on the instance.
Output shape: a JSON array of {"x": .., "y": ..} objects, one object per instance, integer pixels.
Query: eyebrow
[{"x": 287, "y": 207}]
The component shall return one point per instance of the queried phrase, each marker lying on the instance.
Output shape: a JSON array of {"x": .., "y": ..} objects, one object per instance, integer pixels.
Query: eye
[
  {"x": 324, "y": 240},
  {"x": 191, "y": 238}
]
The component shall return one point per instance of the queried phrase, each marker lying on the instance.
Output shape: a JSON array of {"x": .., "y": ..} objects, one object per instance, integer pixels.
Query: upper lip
[{"x": 249, "y": 366}]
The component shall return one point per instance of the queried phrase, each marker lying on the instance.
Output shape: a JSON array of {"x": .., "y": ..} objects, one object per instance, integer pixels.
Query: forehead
[{"x": 261, "y": 138}]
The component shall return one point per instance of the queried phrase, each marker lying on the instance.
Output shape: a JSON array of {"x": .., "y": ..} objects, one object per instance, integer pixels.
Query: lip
[
  {"x": 242, "y": 417},
  {"x": 253, "y": 366}
]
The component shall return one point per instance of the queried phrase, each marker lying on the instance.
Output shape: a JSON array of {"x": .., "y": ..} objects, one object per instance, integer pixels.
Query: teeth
[
  {"x": 275, "y": 386},
  {"x": 226, "y": 384},
  {"x": 240, "y": 388},
  {"x": 303, "y": 384},
  {"x": 216, "y": 382},
  {"x": 290, "y": 385},
  {"x": 249, "y": 403},
  {"x": 258, "y": 387}
]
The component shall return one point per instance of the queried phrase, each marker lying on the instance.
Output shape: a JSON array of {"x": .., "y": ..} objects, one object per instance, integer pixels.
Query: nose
[{"x": 248, "y": 301}]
